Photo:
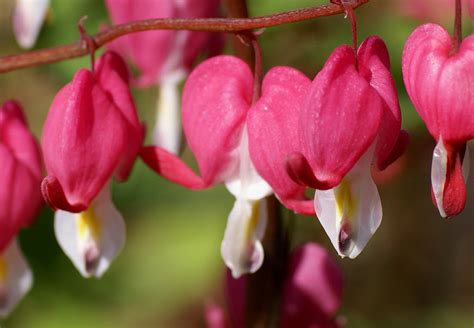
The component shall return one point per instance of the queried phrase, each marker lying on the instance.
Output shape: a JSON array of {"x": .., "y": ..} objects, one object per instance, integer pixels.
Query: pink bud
[
  {"x": 438, "y": 79},
  {"x": 20, "y": 196},
  {"x": 312, "y": 292},
  {"x": 91, "y": 133}
]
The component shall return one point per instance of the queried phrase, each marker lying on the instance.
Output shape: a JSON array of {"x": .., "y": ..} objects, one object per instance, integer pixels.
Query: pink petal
[
  {"x": 20, "y": 196},
  {"x": 171, "y": 167},
  {"x": 374, "y": 65},
  {"x": 16, "y": 136},
  {"x": 439, "y": 82},
  {"x": 340, "y": 118},
  {"x": 112, "y": 75},
  {"x": 83, "y": 141},
  {"x": 313, "y": 290},
  {"x": 216, "y": 98},
  {"x": 147, "y": 50},
  {"x": 273, "y": 133}
]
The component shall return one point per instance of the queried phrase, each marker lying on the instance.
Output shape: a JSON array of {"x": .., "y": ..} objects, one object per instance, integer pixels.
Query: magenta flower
[
  {"x": 28, "y": 17},
  {"x": 273, "y": 133},
  {"x": 216, "y": 99},
  {"x": 439, "y": 82},
  {"x": 20, "y": 198},
  {"x": 350, "y": 119},
  {"x": 164, "y": 57},
  {"x": 312, "y": 293},
  {"x": 91, "y": 134}
]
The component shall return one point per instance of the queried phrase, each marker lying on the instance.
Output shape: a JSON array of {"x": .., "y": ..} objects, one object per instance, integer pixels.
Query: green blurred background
[{"x": 417, "y": 271}]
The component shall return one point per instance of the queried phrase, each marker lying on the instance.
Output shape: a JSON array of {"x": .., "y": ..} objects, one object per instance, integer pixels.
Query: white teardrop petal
[
  {"x": 167, "y": 133},
  {"x": 91, "y": 239},
  {"x": 438, "y": 174},
  {"x": 241, "y": 247},
  {"x": 28, "y": 17},
  {"x": 351, "y": 212},
  {"x": 16, "y": 278},
  {"x": 247, "y": 183}
]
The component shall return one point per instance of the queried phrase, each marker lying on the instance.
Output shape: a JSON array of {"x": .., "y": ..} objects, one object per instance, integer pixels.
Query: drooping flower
[
  {"x": 28, "y": 17},
  {"x": 273, "y": 133},
  {"x": 216, "y": 99},
  {"x": 311, "y": 293},
  {"x": 91, "y": 134},
  {"x": 164, "y": 57},
  {"x": 351, "y": 119},
  {"x": 20, "y": 198},
  {"x": 439, "y": 81}
]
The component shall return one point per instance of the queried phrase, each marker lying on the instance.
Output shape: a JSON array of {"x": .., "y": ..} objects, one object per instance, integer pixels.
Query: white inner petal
[
  {"x": 241, "y": 247},
  {"x": 28, "y": 18},
  {"x": 351, "y": 212},
  {"x": 247, "y": 183},
  {"x": 16, "y": 278},
  {"x": 93, "y": 238},
  {"x": 438, "y": 174},
  {"x": 167, "y": 133}
]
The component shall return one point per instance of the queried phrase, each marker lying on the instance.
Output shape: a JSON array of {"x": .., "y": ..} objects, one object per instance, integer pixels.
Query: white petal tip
[
  {"x": 91, "y": 239},
  {"x": 241, "y": 248},
  {"x": 16, "y": 278}
]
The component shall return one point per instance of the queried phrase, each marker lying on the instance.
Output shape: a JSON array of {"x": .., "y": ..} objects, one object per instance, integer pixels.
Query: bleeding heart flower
[
  {"x": 164, "y": 57},
  {"x": 350, "y": 119},
  {"x": 439, "y": 81},
  {"x": 312, "y": 293},
  {"x": 28, "y": 17},
  {"x": 92, "y": 133},
  {"x": 216, "y": 99},
  {"x": 273, "y": 133},
  {"x": 20, "y": 199}
]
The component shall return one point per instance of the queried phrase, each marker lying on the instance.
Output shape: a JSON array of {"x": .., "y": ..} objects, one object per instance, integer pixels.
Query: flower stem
[
  {"x": 457, "y": 35},
  {"x": 230, "y": 25}
]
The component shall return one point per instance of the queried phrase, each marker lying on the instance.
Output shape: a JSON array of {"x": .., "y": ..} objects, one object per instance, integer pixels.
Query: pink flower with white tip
[
  {"x": 216, "y": 99},
  {"x": 20, "y": 198},
  {"x": 439, "y": 81},
  {"x": 351, "y": 119},
  {"x": 164, "y": 57},
  {"x": 91, "y": 134}
]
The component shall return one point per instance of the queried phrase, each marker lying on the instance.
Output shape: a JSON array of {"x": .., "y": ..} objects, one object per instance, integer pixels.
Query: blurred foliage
[{"x": 417, "y": 271}]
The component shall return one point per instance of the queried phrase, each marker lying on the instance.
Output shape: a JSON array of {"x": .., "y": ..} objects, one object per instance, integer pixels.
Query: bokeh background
[{"x": 417, "y": 271}]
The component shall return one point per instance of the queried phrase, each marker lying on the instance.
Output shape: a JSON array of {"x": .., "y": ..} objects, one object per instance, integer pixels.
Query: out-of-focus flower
[
  {"x": 20, "y": 198},
  {"x": 28, "y": 17},
  {"x": 350, "y": 119},
  {"x": 164, "y": 57},
  {"x": 439, "y": 81},
  {"x": 91, "y": 134},
  {"x": 430, "y": 10},
  {"x": 312, "y": 293},
  {"x": 216, "y": 99}
]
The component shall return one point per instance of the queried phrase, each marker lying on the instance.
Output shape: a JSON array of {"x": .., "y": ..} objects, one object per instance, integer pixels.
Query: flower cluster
[{"x": 281, "y": 135}]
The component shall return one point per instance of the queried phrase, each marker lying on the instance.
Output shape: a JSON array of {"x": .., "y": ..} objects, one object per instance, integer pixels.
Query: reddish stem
[
  {"x": 258, "y": 70},
  {"x": 457, "y": 36},
  {"x": 231, "y": 25}
]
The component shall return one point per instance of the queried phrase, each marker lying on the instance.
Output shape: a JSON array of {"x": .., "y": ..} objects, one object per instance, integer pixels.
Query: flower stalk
[{"x": 230, "y": 25}]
